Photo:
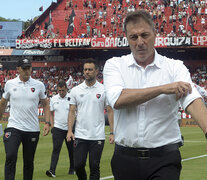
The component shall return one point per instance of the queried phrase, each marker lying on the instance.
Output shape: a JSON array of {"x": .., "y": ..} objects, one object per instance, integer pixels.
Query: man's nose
[{"x": 140, "y": 41}]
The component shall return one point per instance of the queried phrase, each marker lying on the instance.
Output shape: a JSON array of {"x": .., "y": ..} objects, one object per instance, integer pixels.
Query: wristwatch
[
  {"x": 111, "y": 133},
  {"x": 206, "y": 135}
]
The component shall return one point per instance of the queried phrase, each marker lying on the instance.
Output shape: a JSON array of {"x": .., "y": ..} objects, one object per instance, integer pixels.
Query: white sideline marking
[
  {"x": 107, "y": 177},
  {"x": 193, "y": 141},
  {"x": 197, "y": 157}
]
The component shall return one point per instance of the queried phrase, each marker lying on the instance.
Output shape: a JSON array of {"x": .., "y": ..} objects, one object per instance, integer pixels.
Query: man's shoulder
[
  {"x": 120, "y": 58},
  {"x": 12, "y": 81},
  {"x": 35, "y": 82},
  {"x": 168, "y": 60},
  {"x": 76, "y": 88},
  {"x": 100, "y": 85},
  {"x": 54, "y": 97}
]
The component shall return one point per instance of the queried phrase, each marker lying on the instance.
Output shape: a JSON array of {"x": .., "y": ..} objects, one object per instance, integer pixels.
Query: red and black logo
[
  {"x": 7, "y": 134},
  {"x": 33, "y": 89},
  {"x": 98, "y": 96}
]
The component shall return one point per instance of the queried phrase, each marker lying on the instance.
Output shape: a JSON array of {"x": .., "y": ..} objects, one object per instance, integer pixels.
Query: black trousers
[
  {"x": 58, "y": 136},
  {"x": 81, "y": 149},
  {"x": 12, "y": 140},
  {"x": 164, "y": 166}
]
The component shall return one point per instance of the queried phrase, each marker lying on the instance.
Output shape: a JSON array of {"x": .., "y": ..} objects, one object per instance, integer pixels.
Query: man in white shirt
[
  {"x": 145, "y": 89},
  {"x": 24, "y": 94},
  {"x": 88, "y": 101},
  {"x": 59, "y": 109}
]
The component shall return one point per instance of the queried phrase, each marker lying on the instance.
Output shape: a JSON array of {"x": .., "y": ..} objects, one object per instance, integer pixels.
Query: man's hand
[
  {"x": 180, "y": 89},
  {"x": 70, "y": 136},
  {"x": 46, "y": 129},
  {"x": 111, "y": 139}
]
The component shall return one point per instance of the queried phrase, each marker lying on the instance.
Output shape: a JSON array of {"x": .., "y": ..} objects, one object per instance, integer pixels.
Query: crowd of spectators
[
  {"x": 50, "y": 76},
  {"x": 104, "y": 18}
]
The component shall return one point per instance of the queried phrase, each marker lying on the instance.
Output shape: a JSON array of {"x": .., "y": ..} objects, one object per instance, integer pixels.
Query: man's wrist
[{"x": 48, "y": 123}]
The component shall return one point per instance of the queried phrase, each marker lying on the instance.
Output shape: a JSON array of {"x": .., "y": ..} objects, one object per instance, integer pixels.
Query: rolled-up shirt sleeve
[
  {"x": 113, "y": 82},
  {"x": 183, "y": 74}
]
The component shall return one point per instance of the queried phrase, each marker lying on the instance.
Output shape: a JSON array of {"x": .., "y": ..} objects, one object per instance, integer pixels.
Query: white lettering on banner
[
  {"x": 172, "y": 41},
  {"x": 33, "y": 52},
  {"x": 98, "y": 42},
  {"x": 77, "y": 42},
  {"x": 107, "y": 42}
]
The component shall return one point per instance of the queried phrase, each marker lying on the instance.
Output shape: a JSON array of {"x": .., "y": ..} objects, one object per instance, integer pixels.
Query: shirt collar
[
  {"x": 19, "y": 80},
  {"x": 85, "y": 85},
  {"x": 61, "y": 97},
  {"x": 156, "y": 62}
]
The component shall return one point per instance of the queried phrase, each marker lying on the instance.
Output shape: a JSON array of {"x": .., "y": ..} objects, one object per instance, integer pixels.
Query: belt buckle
[{"x": 143, "y": 154}]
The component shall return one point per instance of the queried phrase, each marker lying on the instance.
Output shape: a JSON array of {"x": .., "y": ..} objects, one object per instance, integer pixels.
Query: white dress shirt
[
  {"x": 24, "y": 98},
  {"x": 155, "y": 122}
]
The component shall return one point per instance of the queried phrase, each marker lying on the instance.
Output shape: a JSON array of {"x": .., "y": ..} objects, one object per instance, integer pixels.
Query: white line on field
[
  {"x": 197, "y": 157},
  {"x": 194, "y": 141},
  {"x": 108, "y": 177}
]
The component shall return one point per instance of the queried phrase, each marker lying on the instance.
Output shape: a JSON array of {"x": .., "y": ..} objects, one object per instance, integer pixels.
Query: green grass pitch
[{"x": 193, "y": 169}]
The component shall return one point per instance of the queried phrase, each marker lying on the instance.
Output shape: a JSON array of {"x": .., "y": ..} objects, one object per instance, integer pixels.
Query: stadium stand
[{"x": 104, "y": 18}]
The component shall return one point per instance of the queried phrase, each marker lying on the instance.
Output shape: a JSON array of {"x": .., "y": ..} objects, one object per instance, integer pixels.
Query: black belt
[{"x": 146, "y": 153}]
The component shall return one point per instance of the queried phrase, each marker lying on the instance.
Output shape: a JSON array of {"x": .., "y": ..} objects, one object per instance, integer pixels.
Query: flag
[
  {"x": 50, "y": 25},
  {"x": 50, "y": 18},
  {"x": 71, "y": 23},
  {"x": 41, "y": 8},
  {"x": 189, "y": 13},
  {"x": 69, "y": 82}
]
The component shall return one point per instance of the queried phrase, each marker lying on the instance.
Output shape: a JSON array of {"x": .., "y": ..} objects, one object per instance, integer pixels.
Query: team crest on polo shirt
[
  {"x": 33, "y": 89},
  {"x": 15, "y": 89},
  {"x": 81, "y": 95},
  {"x": 7, "y": 134},
  {"x": 98, "y": 96}
]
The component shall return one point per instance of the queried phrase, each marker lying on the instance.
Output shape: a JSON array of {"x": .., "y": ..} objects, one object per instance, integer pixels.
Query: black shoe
[
  {"x": 49, "y": 173},
  {"x": 71, "y": 171}
]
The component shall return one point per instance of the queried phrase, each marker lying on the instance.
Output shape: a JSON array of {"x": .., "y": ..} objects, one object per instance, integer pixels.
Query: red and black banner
[{"x": 160, "y": 42}]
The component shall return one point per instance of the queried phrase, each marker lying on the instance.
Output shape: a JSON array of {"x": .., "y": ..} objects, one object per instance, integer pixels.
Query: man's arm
[
  {"x": 71, "y": 120},
  {"x": 46, "y": 109},
  {"x": 111, "y": 123},
  {"x": 134, "y": 97},
  {"x": 198, "y": 111},
  {"x": 3, "y": 104},
  {"x": 52, "y": 118}
]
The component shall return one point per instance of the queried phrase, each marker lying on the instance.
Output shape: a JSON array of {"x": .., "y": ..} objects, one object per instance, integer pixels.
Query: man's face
[
  {"x": 62, "y": 91},
  {"x": 141, "y": 38},
  {"x": 89, "y": 72},
  {"x": 25, "y": 73}
]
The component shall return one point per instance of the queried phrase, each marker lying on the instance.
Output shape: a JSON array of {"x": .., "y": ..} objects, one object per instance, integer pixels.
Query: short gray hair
[{"x": 136, "y": 15}]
